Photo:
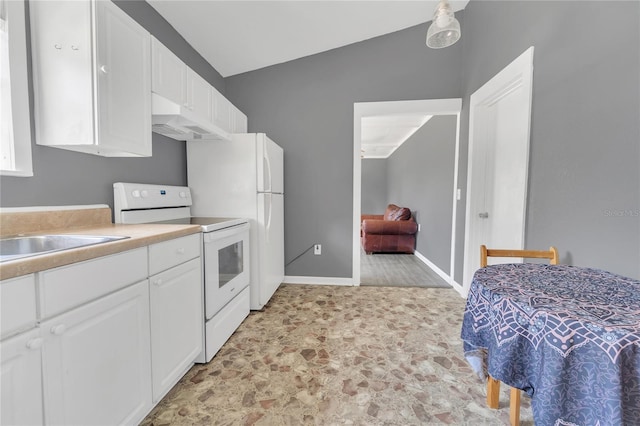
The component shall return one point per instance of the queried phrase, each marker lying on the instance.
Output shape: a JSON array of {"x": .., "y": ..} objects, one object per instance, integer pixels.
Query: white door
[
  {"x": 176, "y": 324},
  {"x": 21, "y": 379},
  {"x": 499, "y": 126},
  {"x": 124, "y": 81},
  {"x": 96, "y": 361}
]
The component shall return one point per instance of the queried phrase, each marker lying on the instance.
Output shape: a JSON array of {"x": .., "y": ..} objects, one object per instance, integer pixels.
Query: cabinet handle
[
  {"x": 34, "y": 343},
  {"x": 158, "y": 282},
  {"x": 104, "y": 69},
  {"x": 58, "y": 329},
  {"x": 180, "y": 250}
]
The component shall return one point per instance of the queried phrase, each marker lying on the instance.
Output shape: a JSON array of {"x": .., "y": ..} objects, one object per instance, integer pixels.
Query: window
[{"x": 15, "y": 125}]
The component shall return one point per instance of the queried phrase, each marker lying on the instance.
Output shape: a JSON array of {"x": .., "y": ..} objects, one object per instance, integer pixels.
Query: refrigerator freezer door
[
  {"x": 270, "y": 173},
  {"x": 222, "y": 177},
  {"x": 270, "y": 248}
]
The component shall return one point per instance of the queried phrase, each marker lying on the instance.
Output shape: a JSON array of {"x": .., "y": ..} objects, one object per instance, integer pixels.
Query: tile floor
[{"x": 322, "y": 355}]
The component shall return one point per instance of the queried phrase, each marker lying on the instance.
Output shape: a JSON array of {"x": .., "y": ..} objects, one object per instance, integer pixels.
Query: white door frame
[
  {"x": 518, "y": 75},
  {"x": 368, "y": 109}
]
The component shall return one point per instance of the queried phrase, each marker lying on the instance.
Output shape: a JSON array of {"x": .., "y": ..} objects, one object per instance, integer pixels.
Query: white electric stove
[{"x": 225, "y": 253}]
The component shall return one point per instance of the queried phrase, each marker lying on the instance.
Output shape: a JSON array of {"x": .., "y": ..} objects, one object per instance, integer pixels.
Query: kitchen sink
[{"x": 20, "y": 247}]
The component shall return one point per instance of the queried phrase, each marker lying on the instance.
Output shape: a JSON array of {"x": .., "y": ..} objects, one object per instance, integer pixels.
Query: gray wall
[
  {"x": 306, "y": 106},
  {"x": 584, "y": 176},
  {"x": 374, "y": 186},
  {"x": 584, "y": 190},
  {"x": 420, "y": 177},
  {"x": 65, "y": 178}
]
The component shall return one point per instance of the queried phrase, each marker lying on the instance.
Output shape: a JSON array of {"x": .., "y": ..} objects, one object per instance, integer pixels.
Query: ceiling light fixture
[{"x": 445, "y": 28}]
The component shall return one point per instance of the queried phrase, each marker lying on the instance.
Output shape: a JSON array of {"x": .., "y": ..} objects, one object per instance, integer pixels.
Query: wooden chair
[{"x": 493, "y": 385}]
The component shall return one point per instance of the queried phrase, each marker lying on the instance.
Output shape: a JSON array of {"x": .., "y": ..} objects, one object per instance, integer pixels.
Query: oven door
[{"x": 226, "y": 266}]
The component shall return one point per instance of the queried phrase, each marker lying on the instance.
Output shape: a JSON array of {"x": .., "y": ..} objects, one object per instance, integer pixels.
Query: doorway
[
  {"x": 499, "y": 124},
  {"x": 372, "y": 109}
]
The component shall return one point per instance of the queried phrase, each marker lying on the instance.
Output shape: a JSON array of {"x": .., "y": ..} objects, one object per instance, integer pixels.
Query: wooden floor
[{"x": 397, "y": 270}]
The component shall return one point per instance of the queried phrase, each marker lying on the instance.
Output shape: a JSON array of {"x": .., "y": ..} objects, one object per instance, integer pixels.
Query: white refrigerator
[{"x": 244, "y": 178}]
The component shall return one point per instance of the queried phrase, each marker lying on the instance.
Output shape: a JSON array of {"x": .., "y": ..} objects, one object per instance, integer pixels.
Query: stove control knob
[
  {"x": 144, "y": 194},
  {"x": 135, "y": 194},
  {"x": 183, "y": 194}
]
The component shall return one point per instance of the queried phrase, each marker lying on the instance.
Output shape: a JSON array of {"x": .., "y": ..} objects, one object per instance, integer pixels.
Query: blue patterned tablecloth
[{"x": 568, "y": 336}]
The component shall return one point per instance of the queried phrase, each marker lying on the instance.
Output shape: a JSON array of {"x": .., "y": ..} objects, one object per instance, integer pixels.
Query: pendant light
[{"x": 445, "y": 28}]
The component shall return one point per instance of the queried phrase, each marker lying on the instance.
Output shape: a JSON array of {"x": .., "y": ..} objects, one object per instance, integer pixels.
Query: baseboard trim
[
  {"x": 318, "y": 280},
  {"x": 433, "y": 266},
  {"x": 458, "y": 287}
]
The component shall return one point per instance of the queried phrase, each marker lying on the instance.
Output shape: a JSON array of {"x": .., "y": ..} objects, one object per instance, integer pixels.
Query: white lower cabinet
[
  {"x": 111, "y": 337},
  {"x": 96, "y": 368},
  {"x": 176, "y": 324},
  {"x": 21, "y": 379}
]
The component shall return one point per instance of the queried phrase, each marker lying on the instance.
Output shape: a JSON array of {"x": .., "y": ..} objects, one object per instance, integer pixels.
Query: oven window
[{"x": 229, "y": 263}]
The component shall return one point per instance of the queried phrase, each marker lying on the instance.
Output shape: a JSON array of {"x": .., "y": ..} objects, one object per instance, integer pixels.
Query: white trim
[
  {"x": 449, "y": 279},
  {"x": 458, "y": 287},
  {"x": 317, "y": 280},
  {"x": 433, "y": 267},
  {"x": 358, "y": 113},
  {"x": 366, "y": 109},
  {"x": 454, "y": 213}
]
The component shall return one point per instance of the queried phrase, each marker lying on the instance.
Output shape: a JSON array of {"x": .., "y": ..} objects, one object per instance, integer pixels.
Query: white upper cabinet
[
  {"x": 238, "y": 121},
  {"x": 92, "y": 78},
  {"x": 221, "y": 111},
  {"x": 169, "y": 73},
  {"x": 199, "y": 95},
  {"x": 173, "y": 80}
]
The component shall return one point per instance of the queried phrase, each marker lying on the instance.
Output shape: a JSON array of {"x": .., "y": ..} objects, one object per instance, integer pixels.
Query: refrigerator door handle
[
  {"x": 268, "y": 210},
  {"x": 267, "y": 172}
]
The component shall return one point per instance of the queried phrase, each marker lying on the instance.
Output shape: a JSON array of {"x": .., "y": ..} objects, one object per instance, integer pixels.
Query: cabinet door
[
  {"x": 221, "y": 111},
  {"x": 61, "y": 53},
  {"x": 21, "y": 379},
  {"x": 176, "y": 324},
  {"x": 124, "y": 82},
  {"x": 96, "y": 361},
  {"x": 168, "y": 73},
  {"x": 238, "y": 120},
  {"x": 198, "y": 95}
]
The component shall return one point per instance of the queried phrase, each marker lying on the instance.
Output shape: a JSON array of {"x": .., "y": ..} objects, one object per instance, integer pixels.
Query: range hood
[{"x": 180, "y": 123}]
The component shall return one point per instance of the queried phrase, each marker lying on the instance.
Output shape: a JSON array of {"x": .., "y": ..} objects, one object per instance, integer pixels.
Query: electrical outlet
[
  {"x": 418, "y": 227},
  {"x": 317, "y": 249}
]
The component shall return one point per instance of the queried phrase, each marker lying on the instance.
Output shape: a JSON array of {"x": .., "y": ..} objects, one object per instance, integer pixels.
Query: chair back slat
[{"x": 551, "y": 254}]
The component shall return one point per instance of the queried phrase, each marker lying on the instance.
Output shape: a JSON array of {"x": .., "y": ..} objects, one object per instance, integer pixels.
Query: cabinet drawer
[
  {"x": 63, "y": 288},
  {"x": 18, "y": 304},
  {"x": 170, "y": 253}
]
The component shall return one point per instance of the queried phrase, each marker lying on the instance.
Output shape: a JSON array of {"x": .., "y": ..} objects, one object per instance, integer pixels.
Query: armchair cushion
[{"x": 394, "y": 212}]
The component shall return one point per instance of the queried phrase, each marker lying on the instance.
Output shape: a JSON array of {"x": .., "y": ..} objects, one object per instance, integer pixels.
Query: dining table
[{"x": 568, "y": 336}]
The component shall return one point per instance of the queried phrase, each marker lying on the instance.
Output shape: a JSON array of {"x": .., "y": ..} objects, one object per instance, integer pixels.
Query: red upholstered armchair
[{"x": 393, "y": 232}]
